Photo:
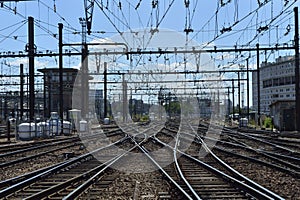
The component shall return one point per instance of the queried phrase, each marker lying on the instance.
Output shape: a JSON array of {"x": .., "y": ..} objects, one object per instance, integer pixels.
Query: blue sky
[
  {"x": 209, "y": 21},
  {"x": 203, "y": 20}
]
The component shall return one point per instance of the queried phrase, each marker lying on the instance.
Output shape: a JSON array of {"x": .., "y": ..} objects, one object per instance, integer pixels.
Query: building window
[
  {"x": 281, "y": 81},
  {"x": 288, "y": 80},
  {"x": 55, "y": 78},
  {"x": 293, "y": 79},
  {"x": 65, "y": 76},
  {"x": 275, "y": 81}
]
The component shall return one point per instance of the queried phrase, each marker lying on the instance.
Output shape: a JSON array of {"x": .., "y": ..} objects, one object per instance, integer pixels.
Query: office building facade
[{"x": 277, "y": 83}]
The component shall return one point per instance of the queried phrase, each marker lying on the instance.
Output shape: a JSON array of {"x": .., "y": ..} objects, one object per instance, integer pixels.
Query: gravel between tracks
[
  {"x": 132, "y": 182},
  {"x": 283, "y": 184},
  {"x": 38, "y": 163}
]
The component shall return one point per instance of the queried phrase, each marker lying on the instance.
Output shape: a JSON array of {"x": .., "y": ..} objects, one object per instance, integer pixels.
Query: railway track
[
  {"x": 27, "y": 159},
  {"x": 201, "y": 181},
  {"x": 232, "y": 141},
  {"x": 287, "y": 140},
  {"x": 259, "y": 164},
  {"x": 281, "y": 154},
  {"x": 285, "y": 163},
  {"x": 13, "y": 157},
  {"x": 69, "y": 181},
  {"x": 177, "y": 170},
  {"x": 28, "y": 144},
  {"x": 191, "y": 170},
  {"x": 257, "y": 141},
  {"x": 130, "y": 181},
  {"x": 57, "y": 181}
]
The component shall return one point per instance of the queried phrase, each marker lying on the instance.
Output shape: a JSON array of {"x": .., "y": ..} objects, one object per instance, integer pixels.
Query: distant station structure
[{"x": 51, "y": 89}]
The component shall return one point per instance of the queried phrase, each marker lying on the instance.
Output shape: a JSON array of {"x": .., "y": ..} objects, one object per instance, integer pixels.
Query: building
[
  {"x": 205, "y": 107},
  {"x": 51, "y": 89},
  {"x": 138, "y": 107},
  {"x": 283, "y": 114},
  {"x": 277, "y": 83}
]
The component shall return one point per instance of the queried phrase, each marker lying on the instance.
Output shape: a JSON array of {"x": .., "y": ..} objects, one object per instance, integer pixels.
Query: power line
[{"x": 8, "y": 36}]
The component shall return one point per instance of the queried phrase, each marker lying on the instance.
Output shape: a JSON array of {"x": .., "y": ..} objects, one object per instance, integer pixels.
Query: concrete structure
[
  {"x": 96, "y": 102},
  {"x": 283, "y": 113},
  {"x": 51, "y": 89},
  {"x": 277, "y": 83}
]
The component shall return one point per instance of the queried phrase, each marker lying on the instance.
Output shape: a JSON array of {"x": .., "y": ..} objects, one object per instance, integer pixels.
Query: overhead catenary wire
[
  {"x": 220, "y": 37},
  {"x": 117, "y": 29},
  {"x": 271, "y": 21},
  {"x": 47, "y": 30},
  {"x": 8, "y": 36},
  {"x": 233, "y": 25}
]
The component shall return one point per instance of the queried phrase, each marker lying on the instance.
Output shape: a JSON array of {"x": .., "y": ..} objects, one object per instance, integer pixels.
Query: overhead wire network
[
  {"x": 230, "y": 26},
  {"x": 125, "y": 22},
  {"x": 229, "y": 23}
]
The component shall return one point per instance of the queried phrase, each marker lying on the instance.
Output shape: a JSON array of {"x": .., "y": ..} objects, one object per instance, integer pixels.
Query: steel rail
[
  {"x": 265, "y": 153},
  {"x": 237, "y": 183},
  {"x": 76, "y": 192},
  {"x": 56, "y": 168},
  {"x": 9, "y": 147},
  {"x": 92, "y": 174},
  {"x": 175, "y": 149},
  {"x": 17, "y": 179},
  {"x": 235, "y": 132},
  {"x": 146, "y": 152},
  {"x": 271, "y": 165},
  {"x": 260, "y": 140},
  {"x": 291, "y": 158},
  {"x": 31, "y": 174},
  {"x": 12, "y": 162},
  {"x": 37, "y": 147},
  {"x": 248, "y": 181}
]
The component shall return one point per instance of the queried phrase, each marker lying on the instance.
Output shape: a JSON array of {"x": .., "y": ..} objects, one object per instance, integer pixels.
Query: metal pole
[
  {"x": 218, "y": 104},
  {"x": 84, "y": 81},
  {"x": 8, "y": 130},
  {"x": 297, "y": 86},
  {"x": 248, "y": 89},
  {"x": 60, "y": 63},
  {"x": 45, "y": 101},
  {"x": 84, "y": 69},
  {"x": 49, "y": 95},
  {"x": 21, "y": 91},
  {"x": 239, "y": 94},
  {"x": 31, "y": 51},
  {"x": 258, "y": 84},
  {"x": 232, "y": 98},
  {"x": 124, "y": 99},
  {"x": 27, "y": 97},
  {"x": 105, "y": 89},
  {"x": 5, "y": 108},
  {"x": 228, "y": 101}
]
